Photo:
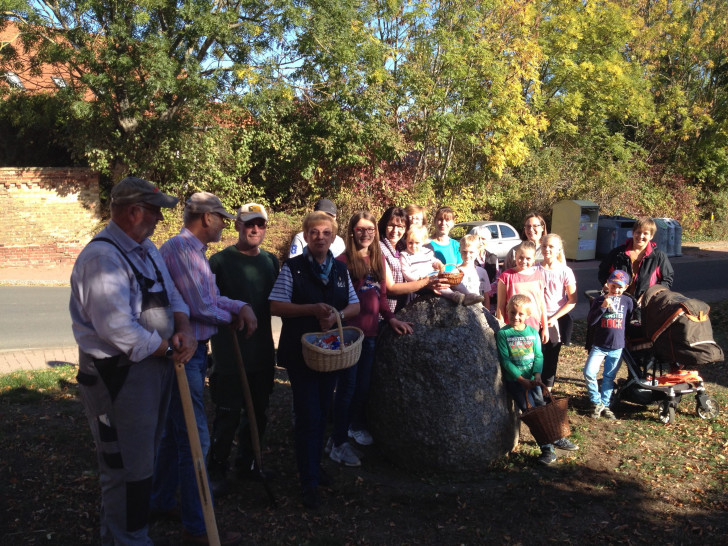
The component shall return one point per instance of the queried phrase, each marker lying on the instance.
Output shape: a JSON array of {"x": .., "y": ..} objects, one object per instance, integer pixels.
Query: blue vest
[{"x": 308, "y": 288}]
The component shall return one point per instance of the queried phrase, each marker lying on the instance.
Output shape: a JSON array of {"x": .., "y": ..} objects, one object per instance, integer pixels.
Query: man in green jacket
[{"x": 243, "y": 272}]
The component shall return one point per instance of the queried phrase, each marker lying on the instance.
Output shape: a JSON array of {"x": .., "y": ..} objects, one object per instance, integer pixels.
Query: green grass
[{"x": 33, "y": 385}]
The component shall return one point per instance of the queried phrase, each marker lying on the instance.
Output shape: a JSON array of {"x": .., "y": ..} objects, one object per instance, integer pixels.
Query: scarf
[{"x": 322, "y": 271}]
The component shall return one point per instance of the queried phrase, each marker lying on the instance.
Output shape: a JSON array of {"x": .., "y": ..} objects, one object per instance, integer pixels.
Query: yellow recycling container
[{"x": 577, "y": 222}]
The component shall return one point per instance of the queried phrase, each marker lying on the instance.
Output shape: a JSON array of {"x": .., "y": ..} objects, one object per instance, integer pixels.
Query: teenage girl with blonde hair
[{"x": 560, "y": 298}]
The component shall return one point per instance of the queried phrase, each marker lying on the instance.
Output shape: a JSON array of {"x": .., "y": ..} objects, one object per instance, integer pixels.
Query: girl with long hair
[
  {"x": 560, "y": 298},
  {"x": 363, "y": 258}
]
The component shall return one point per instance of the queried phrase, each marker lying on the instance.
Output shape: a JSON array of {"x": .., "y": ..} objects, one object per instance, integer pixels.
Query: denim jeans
[
  {"x": 611, "y": 359},
  {"x": 352, "y": 393},
  {"x": 312, "y": 393},
  {"x": 174, "y": 466},
  {"x": 518, "y": 393}
]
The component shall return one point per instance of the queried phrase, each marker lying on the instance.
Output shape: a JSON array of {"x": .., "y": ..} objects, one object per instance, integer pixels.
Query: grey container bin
[
  {"x": 678, "y": 238},
  {"x": 613, "y": 231},
  {"x": 674, "y": 237},
  {"x": 662, "y": 236}
]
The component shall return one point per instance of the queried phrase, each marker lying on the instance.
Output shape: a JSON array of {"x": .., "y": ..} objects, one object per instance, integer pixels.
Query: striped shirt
[
  {"x": 185, "y": 257},
  {"x": 283, "y": 288},
  {"x": 417, "y": 266}
]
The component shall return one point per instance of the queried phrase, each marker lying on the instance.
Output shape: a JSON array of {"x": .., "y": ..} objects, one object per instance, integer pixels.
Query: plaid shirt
[
  {"x": 391, "y": 256},
  {"x": 185, "y": 257}
]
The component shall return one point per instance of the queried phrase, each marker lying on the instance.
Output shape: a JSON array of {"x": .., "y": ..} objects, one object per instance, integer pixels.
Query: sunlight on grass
[{"x": 28, "y": 385}]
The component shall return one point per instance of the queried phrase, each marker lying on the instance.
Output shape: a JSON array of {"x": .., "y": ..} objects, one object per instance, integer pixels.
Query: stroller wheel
[
  {"x": 666, "y": 412},
  {"x": 708, "y": 409}
]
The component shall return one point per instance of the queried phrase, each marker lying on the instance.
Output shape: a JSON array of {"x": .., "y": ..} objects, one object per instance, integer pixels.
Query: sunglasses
[{"x": 257, "y": 222}]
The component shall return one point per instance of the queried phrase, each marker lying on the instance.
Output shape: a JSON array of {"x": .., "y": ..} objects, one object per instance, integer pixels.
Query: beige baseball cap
[
  {"x": 203, "y": 201},
  {"x": 251, "y": 211}
]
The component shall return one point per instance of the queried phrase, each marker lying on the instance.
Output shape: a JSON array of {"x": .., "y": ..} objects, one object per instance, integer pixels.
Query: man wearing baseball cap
[
  {"x": 243, "y": 271},
  {"x": 298, "y": 244},
  {"x": 204, "y": 219},
  {"x": 130, "y": 323}
]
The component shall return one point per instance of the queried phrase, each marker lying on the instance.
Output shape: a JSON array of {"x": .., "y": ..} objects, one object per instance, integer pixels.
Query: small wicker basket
[
  {"x": 453, "y": 278},
  {"x": 331, "y": 360},
  {"x": 548, "y": 423}
]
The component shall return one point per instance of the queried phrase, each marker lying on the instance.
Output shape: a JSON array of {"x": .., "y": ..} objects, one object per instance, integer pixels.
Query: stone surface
[{"x": 437, "y": 399}]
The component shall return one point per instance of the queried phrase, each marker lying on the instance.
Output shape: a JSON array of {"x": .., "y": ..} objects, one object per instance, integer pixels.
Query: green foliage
[
  {"x": 33, "y": 131},
  {"x": 494, "y": 107}
]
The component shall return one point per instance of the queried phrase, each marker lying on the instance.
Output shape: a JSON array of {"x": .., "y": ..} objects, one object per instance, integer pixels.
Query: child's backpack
[{"x": 679, "y": 327}]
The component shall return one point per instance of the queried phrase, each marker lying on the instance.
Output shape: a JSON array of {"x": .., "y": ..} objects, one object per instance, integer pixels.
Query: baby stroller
[{"x": 675, "y": 332}]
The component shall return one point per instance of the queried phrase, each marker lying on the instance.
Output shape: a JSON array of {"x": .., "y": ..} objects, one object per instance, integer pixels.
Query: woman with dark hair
[
  {"x": 392, "y": 226},
  {"x": 534, "y": 228},
  {"x": 363, "y": 259}
]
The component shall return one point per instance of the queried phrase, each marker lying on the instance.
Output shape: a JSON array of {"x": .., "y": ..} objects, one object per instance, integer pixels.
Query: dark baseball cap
[
  {"x": 137, "y": 190},
  {"x": 324, "y": 205}
]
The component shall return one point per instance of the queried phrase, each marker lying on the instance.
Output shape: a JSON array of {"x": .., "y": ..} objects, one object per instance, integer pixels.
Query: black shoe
[
  {"x": 255, "y": 475},
  {"x": 311, "y": 499},
  {"x": 171, "y": 514},
  {"x": 220, "y": 488},
  {"x": 325, "y": 478},
  {"x": 227, "y": 538},
  {"x": 547, "y": 457}
]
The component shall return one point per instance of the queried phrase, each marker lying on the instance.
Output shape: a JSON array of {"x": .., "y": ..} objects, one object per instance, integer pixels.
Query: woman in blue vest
[{"x": 309, "y": 290}]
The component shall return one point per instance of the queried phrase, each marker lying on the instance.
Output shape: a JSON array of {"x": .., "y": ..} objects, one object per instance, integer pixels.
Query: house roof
[{"x": 47, "y": 79}]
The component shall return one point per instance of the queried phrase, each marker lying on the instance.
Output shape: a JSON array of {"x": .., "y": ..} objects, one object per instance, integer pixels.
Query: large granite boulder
[{"x": 437, "y": 400}]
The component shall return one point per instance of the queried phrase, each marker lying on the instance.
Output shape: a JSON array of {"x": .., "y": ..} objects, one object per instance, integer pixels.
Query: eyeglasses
[
  {"x": 224, "y": 219},
  {"x": 260, "y": 223},
  {"x": 533, "y": 226},
  {"x": 151, "y": 208},
  {"x": 363, "y": 230}
]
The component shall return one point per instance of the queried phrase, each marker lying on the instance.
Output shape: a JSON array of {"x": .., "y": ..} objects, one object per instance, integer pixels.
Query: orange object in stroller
[{"x": 682, "y": 376}]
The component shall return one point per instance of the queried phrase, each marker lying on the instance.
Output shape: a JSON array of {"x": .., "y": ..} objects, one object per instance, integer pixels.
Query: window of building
[
  {"x": 14, "y": 80},
  {"x": 60, "y": 82}
]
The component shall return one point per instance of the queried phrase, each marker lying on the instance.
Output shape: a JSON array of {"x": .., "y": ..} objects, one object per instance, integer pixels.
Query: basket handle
[
  {"x": 544, "y": 392},
  {"x": 340, "y": 328}
]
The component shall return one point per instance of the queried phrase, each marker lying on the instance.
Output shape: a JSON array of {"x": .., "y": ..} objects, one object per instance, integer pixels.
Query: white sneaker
[
  {"x": 361, "y": 437},
  {"x": 343, "y": 454}
]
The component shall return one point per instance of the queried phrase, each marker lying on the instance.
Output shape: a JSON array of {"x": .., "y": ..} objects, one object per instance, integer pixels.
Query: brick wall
[{"x": 47, "y": 215}]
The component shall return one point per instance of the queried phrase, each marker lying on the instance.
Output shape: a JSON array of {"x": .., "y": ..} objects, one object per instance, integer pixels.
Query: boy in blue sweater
[
  {"x": 521, "y": 359},
  {"x": 609, "y": 315}
]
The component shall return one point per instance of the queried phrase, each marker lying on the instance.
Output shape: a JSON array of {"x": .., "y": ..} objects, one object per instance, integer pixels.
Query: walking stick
[
  {"x": 254, "y": 438},
  {"x": 198, "y": 460}
]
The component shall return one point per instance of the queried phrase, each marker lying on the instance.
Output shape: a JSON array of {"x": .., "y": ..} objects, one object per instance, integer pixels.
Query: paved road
[
  {"x": 33, "y": 317},
  {"x": 701, "y": 278},
  {"x": 36, "y": 317}
]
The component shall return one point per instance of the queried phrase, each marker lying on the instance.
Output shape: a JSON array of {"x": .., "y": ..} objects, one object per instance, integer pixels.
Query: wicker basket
[
  {"x": 548, "y": 423},
  {"x": 453, "y": 278},
  {"x": 330, "y": 360}
]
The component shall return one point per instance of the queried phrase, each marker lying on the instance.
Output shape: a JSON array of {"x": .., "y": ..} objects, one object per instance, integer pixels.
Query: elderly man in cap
[
  {"x": 243, "y": 271},
  {"x": 299, "y": 243},
  {"x": 184, "y": 254},
  {"x": 130, "y": 323}
]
